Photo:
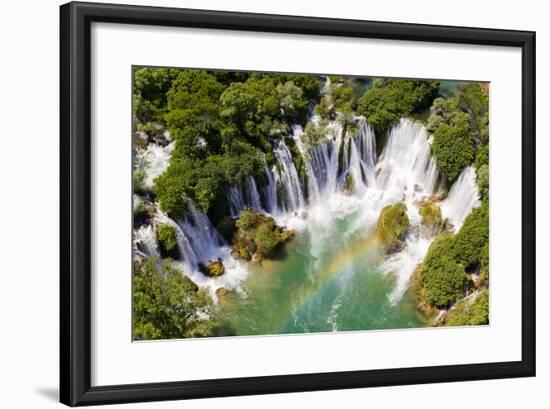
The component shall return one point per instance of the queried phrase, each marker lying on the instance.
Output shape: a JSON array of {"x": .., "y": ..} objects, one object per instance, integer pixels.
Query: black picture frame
[{"x": 76, "y": 195}]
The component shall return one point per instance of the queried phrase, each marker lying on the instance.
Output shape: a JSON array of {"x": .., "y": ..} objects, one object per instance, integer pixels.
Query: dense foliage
[
  {"x": 257, "y": 236},
  {"x": 167, "y": 236},
  {"x": 391, "y": 99},
  {"x": 470, "y": 311},
  {"x": 167, "y": 304},
  {"x": 442, "y": 274},
  {"x": 431, "y": 217},
  {"x": 224, "y": 127},
  {"x": 392, "y": 226},
  {"x": 472, "y": 237},
  {"x": 453, "y": 149},
  {"x": 441, "y": 277},
  {"x": 151, "y": 86},
  {"x": 460, "y": 125}
]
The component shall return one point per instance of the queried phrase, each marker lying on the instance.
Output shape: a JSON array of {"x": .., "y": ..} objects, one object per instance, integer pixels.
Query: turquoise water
[{"x": 317, "y": 285}]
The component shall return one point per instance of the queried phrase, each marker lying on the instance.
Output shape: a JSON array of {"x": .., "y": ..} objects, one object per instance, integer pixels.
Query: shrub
[
  {"x": 441, "y": 277},
  {"x": 138, "y": 178},
  {"x": 166, "y": 304},
  {"x": 314, "y": 135},
  {"x": 453, "y": 150},
  {"x": 391, "y": 99},
  {"x": 483, "y": 181},
  {"x": 447, "y": 112},
  {"x": 266, "y": 239},
  {"x": 470, "y": 312},
  {"x": 150, "y": 86},
  {"x": 392, "y": 227},
  {"x": 474, "y": 100},
  {"x": 484, "y": 265},
  {"x": 472, "y": 237},
  {"x": 257, "y": 236},
  {"x": 167, "y": 235},
  {"x": 482, "y": 156},
  {"x": 431, "y": 216}
]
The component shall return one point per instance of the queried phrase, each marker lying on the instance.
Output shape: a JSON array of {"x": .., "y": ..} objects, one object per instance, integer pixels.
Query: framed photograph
[{"x": 259, "y": 204}]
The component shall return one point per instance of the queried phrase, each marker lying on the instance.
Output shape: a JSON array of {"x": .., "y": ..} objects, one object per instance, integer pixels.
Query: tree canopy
[{"x": 167, "y": 304}]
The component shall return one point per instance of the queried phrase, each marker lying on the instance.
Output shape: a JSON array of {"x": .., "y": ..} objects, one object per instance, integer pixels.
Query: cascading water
[
  {"x": 203, "y": 236},
  {"x": 153, "y": 161},
  {"x": 252, "y": 195},
  {"x": 287, "y": 177},
  {"x": 270, "y": 193},
  {"x": 462, "y": 198},
  {"x": 145, "y": 240},
  {"x": 236, "y": 200}
]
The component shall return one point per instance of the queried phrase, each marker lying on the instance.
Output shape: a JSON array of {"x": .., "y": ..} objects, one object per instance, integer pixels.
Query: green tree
[
  {"x": 266, "y": 238},
  {"x": 391, "y": 99},
  {"x": 150, "y": 86},
  {"x": 167, "y": 304},
  {"x": 453, "y": 150},
  {"x": 253, "y": 107},
  {"x": 470, "y": 312},
  {"x": 292, "y": 102},
  {"x": 474, "y": 101},
  {"x": 472, "y": 237},
  {"x": 431, "y": 217},
  {"x": 257, "y": 236},
  {"x": 392, "y": 227},
  {"x": 441, "y": 277},
  {"x": 447, "y": 112},
  {"x": 483, "y": 181},
  {"x": 167, "y": 235},
  {"x": 193, "y": 115}
]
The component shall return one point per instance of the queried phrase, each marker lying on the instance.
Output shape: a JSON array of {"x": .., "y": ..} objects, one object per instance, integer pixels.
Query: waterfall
[
  {"x": 153, "y": 161},
  {"x": 242, "y": 197},
  {"x": 270, "y": 192},
  {"x": 406, "y": 166},
  {"x": 236, "y": 200},
  {"x": 462, "y": 198},
  {"x": 204, "y": 238},
  {"x": 287, "y": 177},
  {"x": 252, "y": 195},
  {"x": 326, "y": 173},
  {"x": 366, "y": 145},
  {"x": 406, "y": 173},
  {"x": 145, "y": 240}
]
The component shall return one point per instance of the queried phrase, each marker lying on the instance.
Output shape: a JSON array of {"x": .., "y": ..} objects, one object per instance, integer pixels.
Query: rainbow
[{"x": 325, "y": 275}]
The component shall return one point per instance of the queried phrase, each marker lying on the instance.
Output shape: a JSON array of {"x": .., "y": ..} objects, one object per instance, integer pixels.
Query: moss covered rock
[
  {"x": 349, "y": 185},
  {"x": 257, "y": 236},
  {"x": 431, "y": 219},
  {"x": 392, "y": 227},
  {"x": 212, "y": 268}
]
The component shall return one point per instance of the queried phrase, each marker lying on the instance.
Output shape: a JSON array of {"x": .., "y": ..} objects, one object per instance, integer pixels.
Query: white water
[
  {"x": 145, "y": 241},
  {"x": 404, "y": 172},
  {"x": 198, "y": 242},
  {"x": 153, "y": 161},
  {"x": 287, "y": 177},
  {"x": 462, "y": 198}
]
